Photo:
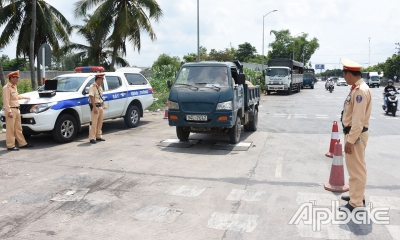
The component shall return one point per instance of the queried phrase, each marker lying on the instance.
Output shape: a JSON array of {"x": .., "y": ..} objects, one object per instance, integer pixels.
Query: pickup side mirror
[
  {"x": 169, "y": 84},
  {"x": 85, "y": 91},
  {"x": 241, "y": 78}
]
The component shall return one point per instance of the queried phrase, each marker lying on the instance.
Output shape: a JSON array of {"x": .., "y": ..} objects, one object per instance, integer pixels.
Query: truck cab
[{"x": 212, "y": 97}]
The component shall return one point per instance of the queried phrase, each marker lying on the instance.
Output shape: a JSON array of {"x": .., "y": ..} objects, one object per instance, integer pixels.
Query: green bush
[
  {"x": 23, "y": 86},
  {"x": 252, "y": 76},
  {"x": 158, "y": 80}
]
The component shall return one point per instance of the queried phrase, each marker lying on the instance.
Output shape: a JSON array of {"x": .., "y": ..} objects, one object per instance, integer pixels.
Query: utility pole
[{"x": 369, "y": 54}]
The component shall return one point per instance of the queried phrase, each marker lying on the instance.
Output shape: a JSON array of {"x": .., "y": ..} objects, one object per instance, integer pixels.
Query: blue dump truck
[
  {"x": 213, "y": 97},
  {"x": 308, "y": 78}
]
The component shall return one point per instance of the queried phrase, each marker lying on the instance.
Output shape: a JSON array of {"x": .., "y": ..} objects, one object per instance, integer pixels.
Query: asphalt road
[{"x": 133, "y": 187}]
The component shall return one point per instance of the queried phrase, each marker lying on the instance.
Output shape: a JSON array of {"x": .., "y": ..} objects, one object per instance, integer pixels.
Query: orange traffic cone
[
  {"x": 166, "y": 111},
  {"x": 336, "y": 180},
  {"x": 334, "y": 137}
]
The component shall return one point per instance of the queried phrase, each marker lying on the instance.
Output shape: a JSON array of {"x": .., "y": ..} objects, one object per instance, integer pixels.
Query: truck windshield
[
  {"x": 375, "y": 78},
  {"x": 203, "y": 76},
  {"x": 308, "y": 76},
  {"x": 69, "y": 84},
  {"x": 277, "y": 72}
]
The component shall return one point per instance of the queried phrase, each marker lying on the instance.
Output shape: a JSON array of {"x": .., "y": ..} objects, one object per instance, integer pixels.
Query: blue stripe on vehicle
[{"x": 108, "y": 97}]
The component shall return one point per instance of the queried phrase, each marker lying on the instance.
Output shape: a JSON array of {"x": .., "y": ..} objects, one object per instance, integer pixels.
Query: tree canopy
[{"x": 297, "y": 48}]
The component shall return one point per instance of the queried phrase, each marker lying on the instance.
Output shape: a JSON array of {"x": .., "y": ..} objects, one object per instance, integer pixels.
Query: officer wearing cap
[
  {"x": 12, "y": 113},
  {"x": 355, "y": 121},
  {"x": 97, "y": 106}
]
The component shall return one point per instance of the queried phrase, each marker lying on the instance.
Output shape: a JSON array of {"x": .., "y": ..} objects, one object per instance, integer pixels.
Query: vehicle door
[
  {"x": 116, "y": 96},
  {"x": 85, "y": 107},
  {"x": 238, "y": 91},
  {"x": 139, "y": 88}
]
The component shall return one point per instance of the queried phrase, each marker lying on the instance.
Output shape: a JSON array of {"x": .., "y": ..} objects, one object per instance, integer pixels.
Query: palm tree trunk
[
  {"x": 3, "y": 80},
  {"x": 32, "y": 46},
  {"x": 114, "y": 56}
]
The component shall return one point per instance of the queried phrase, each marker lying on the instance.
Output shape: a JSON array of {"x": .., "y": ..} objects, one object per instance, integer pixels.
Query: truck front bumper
[
  {"x": 216, "y": 120},
  {"x": 277, "y": 87}
]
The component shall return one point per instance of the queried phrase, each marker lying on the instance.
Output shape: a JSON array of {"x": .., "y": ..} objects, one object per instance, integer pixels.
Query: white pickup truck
[{"x": 125, "y": 95}]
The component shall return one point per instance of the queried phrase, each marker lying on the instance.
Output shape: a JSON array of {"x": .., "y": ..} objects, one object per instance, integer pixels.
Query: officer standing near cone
[
  {"x": 96, "y": 107},
  {"x": 12, "y": 113},
  {"x": 355, "y": 120}
]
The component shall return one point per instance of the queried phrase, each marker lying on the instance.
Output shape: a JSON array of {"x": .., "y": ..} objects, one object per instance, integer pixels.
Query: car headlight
[
  {"x": 38, "y": 108},
  {"x": 225, "y": 105},
  {"x": 173, "y": 105}
]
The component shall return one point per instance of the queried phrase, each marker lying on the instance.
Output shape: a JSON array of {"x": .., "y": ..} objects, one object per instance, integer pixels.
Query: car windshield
[
  {"x": 203, "y": 76},
  {"x": 69, "y": 84},
  {"x": 277, "y": 72}
]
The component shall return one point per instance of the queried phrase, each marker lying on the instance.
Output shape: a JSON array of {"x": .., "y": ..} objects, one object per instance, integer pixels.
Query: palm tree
[
  {"x": 125, "y": 19},
  {"x": 97, "y": 52},
  {"x": 2, "y": 79},
  {"x": 51, "y": 27}
]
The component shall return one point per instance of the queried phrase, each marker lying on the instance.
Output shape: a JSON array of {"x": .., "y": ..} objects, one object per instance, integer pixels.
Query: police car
[{"x": 126, "y": 95}]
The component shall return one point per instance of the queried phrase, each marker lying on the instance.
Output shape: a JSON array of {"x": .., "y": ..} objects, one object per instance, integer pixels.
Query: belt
[
  {"x": 15, "y": 107},
  {"x": 98, "y": 104},
  {"x": 346, "y": 130}
]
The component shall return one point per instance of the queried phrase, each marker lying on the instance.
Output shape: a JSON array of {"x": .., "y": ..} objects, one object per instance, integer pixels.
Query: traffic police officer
[
  {"x": 355, "y": 121},
  {"x": 12, "y": 113},
  {"x": 97, "y": 106}
]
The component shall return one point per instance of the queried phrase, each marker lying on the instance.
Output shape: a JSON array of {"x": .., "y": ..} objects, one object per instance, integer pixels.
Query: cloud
[{"x": 342, "y": 27}]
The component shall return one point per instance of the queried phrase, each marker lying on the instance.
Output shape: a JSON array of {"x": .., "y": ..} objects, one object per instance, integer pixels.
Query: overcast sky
[{"x": 343, "y": 27}]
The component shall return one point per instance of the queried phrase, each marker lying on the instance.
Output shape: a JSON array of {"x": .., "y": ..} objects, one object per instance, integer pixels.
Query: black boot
[{"x": 347, "y": 198}]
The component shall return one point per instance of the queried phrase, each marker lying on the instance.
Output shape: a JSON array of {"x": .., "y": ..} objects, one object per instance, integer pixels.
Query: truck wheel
[
  {"x": 298, "y": 88},
  {"x": 235, "y": 131},
  {"x": 132, "y": 116},
  {"x": 268, "y": 92},
  {"x": 253, "y": 124},
  {"x": 182, "y": 134},
  {"x": 289, "y": 91},
  {"x": 312, "y": 87},
  {"x": 65, "y": 129}
]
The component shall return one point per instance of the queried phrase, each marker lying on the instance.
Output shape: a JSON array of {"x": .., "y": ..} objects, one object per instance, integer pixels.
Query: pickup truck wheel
[
  {"x": 132, "y": 116},
  {"x": 182, "y": 134},
  {"x": 26, "y": 135},
  {"x": 65, "y": 129},
  {"x": 235, "y": 131}
]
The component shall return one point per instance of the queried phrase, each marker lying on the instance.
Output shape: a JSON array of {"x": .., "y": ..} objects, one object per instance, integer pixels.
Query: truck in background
[
  {"x": 283, "y": 75},
  {"x": 374, "y": 79},
  {"x": 365, "y": 77},
  {"x": 308, "y": 78},
  {"x": 213, "y": 97}
]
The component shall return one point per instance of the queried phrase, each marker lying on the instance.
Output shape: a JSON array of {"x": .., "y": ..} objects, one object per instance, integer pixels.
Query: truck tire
[
  {"x": 268, "y": 92},
  {"x": 289, "y": 91},
  {"x": 235, "y": 131},
  {"x": 312, "y": 87},
  {"x": 132, "y": 116},
  {"x": 182, "y": 134},
  {"x": 65, "y": 129},
  {"x": 252, "y": 125},
  {"x": 298, "y": 88}
]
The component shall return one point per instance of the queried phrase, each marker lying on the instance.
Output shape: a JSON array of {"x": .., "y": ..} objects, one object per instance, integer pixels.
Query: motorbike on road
[
  {"x": 391, "y": 102},
  {"x": 331, "y": 87}
]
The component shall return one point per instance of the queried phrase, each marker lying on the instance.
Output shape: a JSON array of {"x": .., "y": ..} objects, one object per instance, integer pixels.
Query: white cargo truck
[{"x": 284, "y": 75}]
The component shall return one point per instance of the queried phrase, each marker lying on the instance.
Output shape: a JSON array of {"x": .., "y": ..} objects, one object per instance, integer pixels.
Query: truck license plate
[{"x": 196, "y": 118}]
